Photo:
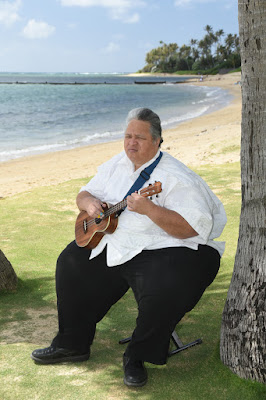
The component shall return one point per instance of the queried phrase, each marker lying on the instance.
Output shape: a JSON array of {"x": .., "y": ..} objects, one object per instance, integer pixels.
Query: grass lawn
[{"x": 36, "y": 226}]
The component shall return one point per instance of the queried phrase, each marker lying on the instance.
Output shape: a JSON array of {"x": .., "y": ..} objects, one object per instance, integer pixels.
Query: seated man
[{"x": 163, "y": 249}]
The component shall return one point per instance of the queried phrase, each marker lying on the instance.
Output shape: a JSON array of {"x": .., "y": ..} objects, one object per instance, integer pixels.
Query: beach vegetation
[
  {"x": 235, "y": 70},
  {"x": 214, "y": 52},
  {"x": 38, "y": 224}
]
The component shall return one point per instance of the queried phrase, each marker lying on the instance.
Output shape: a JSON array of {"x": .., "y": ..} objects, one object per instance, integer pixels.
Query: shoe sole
[
  {"x": 84, "y": 357},
  {"x": 135, "y": 384}
]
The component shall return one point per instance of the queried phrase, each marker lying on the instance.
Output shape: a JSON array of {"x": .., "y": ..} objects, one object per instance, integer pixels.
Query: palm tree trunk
[
  {"x": 243, "y": 338},
  {"x": 8, "y": 277}
]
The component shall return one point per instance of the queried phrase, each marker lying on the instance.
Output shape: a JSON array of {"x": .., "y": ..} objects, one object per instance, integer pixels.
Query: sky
[{"x": 101, "y": 35}]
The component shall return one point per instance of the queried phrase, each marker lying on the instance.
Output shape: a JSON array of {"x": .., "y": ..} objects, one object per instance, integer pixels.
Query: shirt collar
[
  {"x": 147, "y": 163},
  {"x": 135, "y": 174},
  {"x": 125, "y": 161}
]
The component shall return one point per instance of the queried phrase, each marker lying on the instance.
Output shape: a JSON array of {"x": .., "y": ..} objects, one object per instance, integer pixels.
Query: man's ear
[{"x": 159, "y": 142}]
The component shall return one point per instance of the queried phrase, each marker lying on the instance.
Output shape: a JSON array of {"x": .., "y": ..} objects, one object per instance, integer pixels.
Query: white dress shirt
[{"x": 183, "y": 191}]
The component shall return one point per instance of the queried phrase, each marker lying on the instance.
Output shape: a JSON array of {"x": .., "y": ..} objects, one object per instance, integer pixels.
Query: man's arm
[
  {"x": 86, "y": 202},
  {"x": 170, "y": 221}
]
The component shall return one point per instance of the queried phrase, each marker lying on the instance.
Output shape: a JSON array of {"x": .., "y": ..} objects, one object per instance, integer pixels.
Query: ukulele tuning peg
[
  {"x": 151, "y": 198},
  {"x": 157, "y": 195}
]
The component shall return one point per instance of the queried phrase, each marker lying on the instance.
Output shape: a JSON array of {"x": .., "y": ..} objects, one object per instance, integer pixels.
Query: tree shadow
[{"x": 29, "y": 312}]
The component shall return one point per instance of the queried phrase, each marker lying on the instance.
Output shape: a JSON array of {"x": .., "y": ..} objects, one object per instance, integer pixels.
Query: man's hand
[
  {"x": 170, "y": 221},
  {"x": 89, "y": 203},
  {"x": 95, "y": 208},
  {"x": 138, "y": 204}
]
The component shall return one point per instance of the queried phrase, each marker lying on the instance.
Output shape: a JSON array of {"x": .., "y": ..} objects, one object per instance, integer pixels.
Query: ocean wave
[
  {"x": 213, "y": 92},
  {"x": 185, "y": 117},
  {"x": 42, "y": 121},
  {"x": 63, "y": 145},
  {"x": 101, "y": 73}
]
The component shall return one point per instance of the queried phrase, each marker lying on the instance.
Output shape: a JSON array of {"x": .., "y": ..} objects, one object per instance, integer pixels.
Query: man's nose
[{"x": 132, "y": 140}]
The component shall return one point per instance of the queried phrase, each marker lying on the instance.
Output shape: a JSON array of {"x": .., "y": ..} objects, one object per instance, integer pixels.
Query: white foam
[
  {"x": 185, "y": 117},
  {"x": 206, "y": 100},
  {"x": 64, "y": 145}
]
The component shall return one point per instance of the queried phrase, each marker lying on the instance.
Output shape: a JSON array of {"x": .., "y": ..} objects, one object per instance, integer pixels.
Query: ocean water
[{"x": 41, "y": 113}]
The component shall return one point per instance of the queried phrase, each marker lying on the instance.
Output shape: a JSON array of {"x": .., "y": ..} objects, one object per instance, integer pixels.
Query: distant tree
[
  {"x": 243, "y": 332},
  {"x": 194, "y": 49},
  {"x": 204, "y": 54},
  {"x": 208, "y": 29},
  {"x": 185, "y": 55},
  {"x": 218, "y": 35},
  {"x": 162, "y": 57}
]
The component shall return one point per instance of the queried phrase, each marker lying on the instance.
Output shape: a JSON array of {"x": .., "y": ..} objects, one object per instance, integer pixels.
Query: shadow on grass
[
  {"x": 184, "y": 376},
  {"x": 33, "y": 299},
  {"x": 29, "y": 292}
]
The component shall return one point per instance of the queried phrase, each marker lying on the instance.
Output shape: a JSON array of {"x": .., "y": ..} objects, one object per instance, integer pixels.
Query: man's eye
[{"x": 136, "y": 137}]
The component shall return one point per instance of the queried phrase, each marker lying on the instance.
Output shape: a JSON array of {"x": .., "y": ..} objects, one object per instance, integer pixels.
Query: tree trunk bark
[
  {"x": 243, "y": 333},
  {"x": 8, "y": 277}
]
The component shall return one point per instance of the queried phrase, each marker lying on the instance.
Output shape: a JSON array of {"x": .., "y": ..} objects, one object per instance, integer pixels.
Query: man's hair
[{"x": 147, "y": 115}]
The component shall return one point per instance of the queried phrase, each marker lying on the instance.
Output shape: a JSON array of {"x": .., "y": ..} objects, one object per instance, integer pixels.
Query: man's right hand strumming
[{"x": 90, "y": 204}]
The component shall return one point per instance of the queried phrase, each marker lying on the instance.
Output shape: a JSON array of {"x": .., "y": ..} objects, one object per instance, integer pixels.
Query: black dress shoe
[
  {"x": 135, "y": 373},
  {"x": 53, "y": 355}
]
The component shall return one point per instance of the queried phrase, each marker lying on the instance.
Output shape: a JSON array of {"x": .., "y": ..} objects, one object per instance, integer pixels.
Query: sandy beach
[{"x": 210, "y": 139}]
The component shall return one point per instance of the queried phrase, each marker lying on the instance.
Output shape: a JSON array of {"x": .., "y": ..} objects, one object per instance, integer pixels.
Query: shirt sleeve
[
  {"x": 192, "y": 205},
  {"x": 96, "y": 186}
]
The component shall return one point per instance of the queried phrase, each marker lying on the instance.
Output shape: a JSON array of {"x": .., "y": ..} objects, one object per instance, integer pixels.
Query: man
[{"x": 162, "y": 248}]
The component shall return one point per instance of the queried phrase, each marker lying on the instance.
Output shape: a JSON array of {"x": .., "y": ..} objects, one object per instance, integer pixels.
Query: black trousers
[{"x": 166, "y": 283}]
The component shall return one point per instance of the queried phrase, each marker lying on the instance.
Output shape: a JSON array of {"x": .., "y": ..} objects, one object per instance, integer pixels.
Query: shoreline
[{"x": 212, "y": 138}]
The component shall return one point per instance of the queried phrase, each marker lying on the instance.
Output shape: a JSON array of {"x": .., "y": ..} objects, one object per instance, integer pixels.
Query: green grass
[{"x": 36, "y": 226}]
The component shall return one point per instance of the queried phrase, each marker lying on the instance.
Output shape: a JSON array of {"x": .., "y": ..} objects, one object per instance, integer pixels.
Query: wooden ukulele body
[{"x": 88, "y": 233}]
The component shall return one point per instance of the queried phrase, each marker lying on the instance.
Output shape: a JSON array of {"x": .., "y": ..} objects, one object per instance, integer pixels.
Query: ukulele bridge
[{"x": 84, "y": 226}]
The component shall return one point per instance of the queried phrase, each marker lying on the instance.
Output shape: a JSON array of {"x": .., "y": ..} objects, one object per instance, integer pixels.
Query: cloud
[
  {"x": 9, "y": 12},
  {"x": 111, "y": 48},
  {"x": 121, "y": 10},
  {"x": 188, "y": 3},
  {"x": 72, "y": 25},
  {"x": 132, "y": 19},
  {"x": 37, "y": 30},
  {"x": 100, "y": 3},
  {"x": 229, "y": 5},
  {"x": 118, "y": 36},
  {"x": 124, "y": 16},
  {"x": 146, "y": 45},
  {"x": 182, "y": 2}
]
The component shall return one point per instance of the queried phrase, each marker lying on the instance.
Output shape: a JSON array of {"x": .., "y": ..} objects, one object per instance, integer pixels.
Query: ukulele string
[
  {"x": 108, "y": 212},
  {"x": 116, "y": 208}
]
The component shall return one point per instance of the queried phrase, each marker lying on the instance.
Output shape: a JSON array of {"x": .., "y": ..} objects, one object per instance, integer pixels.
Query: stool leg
[
  {"x": 177, "y": 342},
  {"x": 126, "y": 340},
  {"x": 179, "y": 345}
]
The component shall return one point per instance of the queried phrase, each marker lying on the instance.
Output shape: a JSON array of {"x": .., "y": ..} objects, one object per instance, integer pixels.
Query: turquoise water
[{"x": 61, "y": 111}]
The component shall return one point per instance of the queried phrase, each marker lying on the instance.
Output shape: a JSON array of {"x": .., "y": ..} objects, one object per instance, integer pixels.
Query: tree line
[{"x": 214, "y": 52}]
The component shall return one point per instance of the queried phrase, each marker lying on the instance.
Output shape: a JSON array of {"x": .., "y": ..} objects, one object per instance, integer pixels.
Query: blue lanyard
[{"x": 143, "y": 176}]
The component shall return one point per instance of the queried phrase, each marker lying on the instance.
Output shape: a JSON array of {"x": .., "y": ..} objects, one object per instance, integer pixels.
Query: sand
[{"x": 210, "y": 139}]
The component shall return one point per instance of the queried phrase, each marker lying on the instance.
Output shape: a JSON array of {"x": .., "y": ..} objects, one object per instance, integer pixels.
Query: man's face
[{"x": 139, "y": 144}]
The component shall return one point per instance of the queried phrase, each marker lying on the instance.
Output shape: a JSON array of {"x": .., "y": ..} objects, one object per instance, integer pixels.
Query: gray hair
[{"x": 147, "y": 115}]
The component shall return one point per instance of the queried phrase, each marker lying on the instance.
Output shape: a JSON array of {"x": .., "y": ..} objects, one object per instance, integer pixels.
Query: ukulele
[{"x": 89, "y": 232}]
